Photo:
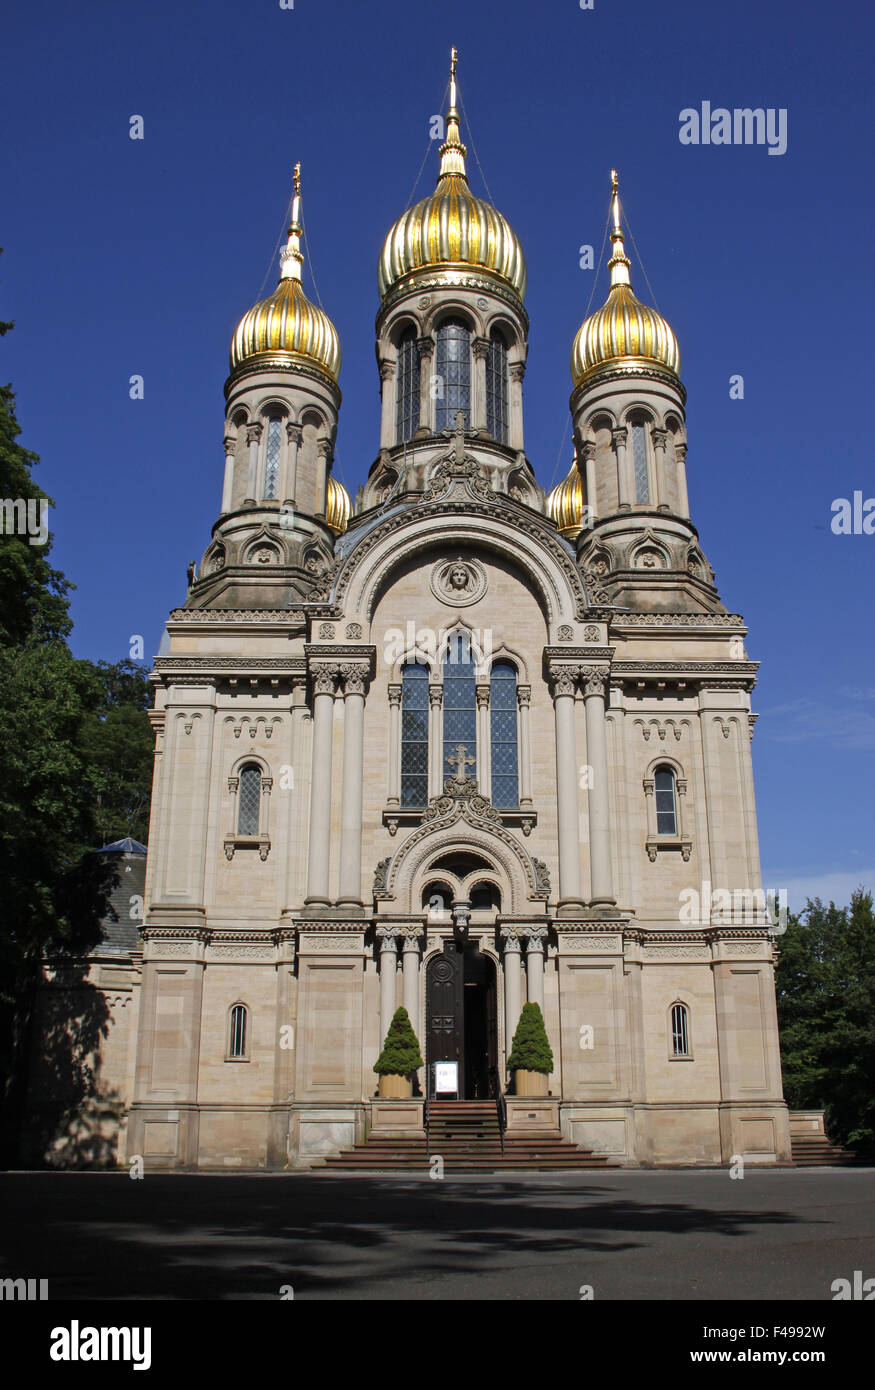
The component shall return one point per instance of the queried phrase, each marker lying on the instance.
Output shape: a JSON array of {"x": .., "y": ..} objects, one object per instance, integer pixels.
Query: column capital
[
  {"x": 435, "y": 696},
  {"x": 425, "y": 344},
  {"x": 481, "y": 694},
  {"x": 294, "y": 433},
  {"x": 511, "y": 936},
  {"x": 229, "y": 443},
  {"x": 323, "y": 448},
  {"x": 535, "y": 939},
  {"x": 516, "y": 371},
  {"x": 586, "y": 450},
  {"x": 254, "y": 431},
  {"x": 595, "y": 680},
  {"x": 413, "y": 938},
  {"x": 388, "y": 937},
  {"x": 619, "y": 436},
  {"x": 659, "y": 437},
  {"x": 479, "y": 347},
  {"x": 524, "y": 696},
  {"x": 562, "y": 680},
  {"x": 394, "y": 691},
  {"x": 681, "y": 449},
  {"x": 387, "y": 368},
  {"x": 354, "y": 675},
  {"x": 324, "y": 675}
]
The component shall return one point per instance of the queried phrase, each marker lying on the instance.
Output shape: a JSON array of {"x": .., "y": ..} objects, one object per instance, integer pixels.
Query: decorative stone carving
[
  {"x": 542, "y": 875},
  {"x": 459, "y": 582},
  {"x": 326, "y": 631},
  {"x": 354, "y": 632},
  {"x": 381, "y": 873},
  {"x": 563, "y": 681},
  {"x": 591, "y": 633},
  {"x": 241, "y": 952},
  {"x": 565, "y": 633},
  {"x": 595, "y": 679},
  {"x": 324, "y": 675},
  {"x": 355, "y": 677}
]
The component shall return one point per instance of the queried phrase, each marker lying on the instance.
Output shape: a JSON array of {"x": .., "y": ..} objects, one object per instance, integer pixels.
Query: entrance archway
[{"x": 461, "y": 1008}]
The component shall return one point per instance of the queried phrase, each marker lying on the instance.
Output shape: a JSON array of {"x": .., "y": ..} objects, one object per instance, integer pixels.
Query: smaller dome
[
  {"x": 565, "y": 504},
  {"x": 287, "y": 325},
  {"x": 623, "y": 331},
  {"x": 338, "y": 507}
]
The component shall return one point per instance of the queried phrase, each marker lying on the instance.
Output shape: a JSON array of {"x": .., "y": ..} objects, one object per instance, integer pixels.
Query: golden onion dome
[
  {"x": 287, "y": 325},
  {"x": 452, "y": 230},
  {"x": 565, "y": 504},
  {"x": 623, "y": 331},
  {"x": 338, "y": 507}
]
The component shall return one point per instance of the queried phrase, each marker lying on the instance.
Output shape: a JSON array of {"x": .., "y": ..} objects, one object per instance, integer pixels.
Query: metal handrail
[
  {"x": 500, "y": 1106},
  {"x": 427, "y": 1115}
]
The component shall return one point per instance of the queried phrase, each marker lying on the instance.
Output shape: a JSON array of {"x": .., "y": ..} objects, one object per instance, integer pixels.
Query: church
[{"x": 460, "y": 746}]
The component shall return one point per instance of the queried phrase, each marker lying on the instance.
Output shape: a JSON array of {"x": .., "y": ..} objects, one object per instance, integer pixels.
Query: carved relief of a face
[{"x": 458, "y": 577}]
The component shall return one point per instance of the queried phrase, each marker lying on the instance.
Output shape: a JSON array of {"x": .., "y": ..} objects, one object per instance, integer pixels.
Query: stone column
[
  {"x": 524, "y": 700},
  {"x": 253, "y": 436},
  {"x": 228, "y": 485},
  {"x": 563, "y": 680},
  {"x": 411, "y": 956},
  {"x": 587, "y": 454},
  {"x": 661, "y": 493},
  {"x": 484, "y": 742},
  {"x": 387, "y": 937},
  {"x": 388, "y": 369},
  {"x": 324, "y": 685},
  {"x": 323, "y": 463},
  {"x": 602, "y": 893},
  {"x": 512, "y": 984},
  {"x": 683, "y": 500},
  {"x": 436, "y": 770},
  {"x": 625, "y": 483},
  {"x": 394, "y": 797},
  {"x": 479, "y": 349},
  {"x": 426, "y": 404},
  {"x": 516, "y": 372},
  {"x": 354, "y": 675},
  {"x": 294, "y": 435},
  {"x": 535, "y": 942}
]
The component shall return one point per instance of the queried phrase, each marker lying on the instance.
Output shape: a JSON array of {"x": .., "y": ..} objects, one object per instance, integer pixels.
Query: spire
[
  {"x": 619, "y": 263},
  {"x": 452, "y": 150},
  {"x": 291, "y": 259}
]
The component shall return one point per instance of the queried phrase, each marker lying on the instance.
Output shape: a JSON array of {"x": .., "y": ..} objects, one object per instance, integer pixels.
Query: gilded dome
[
  {"x": 452, "y": 229},
  {"x": 338, "y": 507},
  {"x": 287, "y": 325},
  {"x": 565, "y": 504},
  {"x": 623, "y": 330}
]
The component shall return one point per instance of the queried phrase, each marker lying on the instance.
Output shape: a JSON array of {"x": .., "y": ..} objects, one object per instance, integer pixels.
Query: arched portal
[{"x": 461, "y": 1010}]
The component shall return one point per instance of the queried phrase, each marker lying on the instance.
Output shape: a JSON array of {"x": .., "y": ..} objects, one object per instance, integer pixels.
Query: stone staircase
[
  {"x": 810, "y": 1151},
  {"x": 466, "y": 1135}
]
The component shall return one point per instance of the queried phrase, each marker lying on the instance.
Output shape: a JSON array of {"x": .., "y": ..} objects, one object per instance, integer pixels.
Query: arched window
[
  {"x": 639, "y": 462},
  {"x": 503, "y": 735},
  {"x": 438, "y": 898},
  {"x": 407, "y": 387},
  {"x": 666, "y": 801},
  {"x": 485, "y": 895},
  {"x": 272, "y": 456},
  {"x": 414, "y": 735},
  {"x": 680, "y": 1030},
  {"x": 460, "y": 709},
  {"x": 237, "y": 1029},
  {"x": 249, "y": 800},
  {"x": 453, "y": 370},
  {"x": 496, "y": 387}
]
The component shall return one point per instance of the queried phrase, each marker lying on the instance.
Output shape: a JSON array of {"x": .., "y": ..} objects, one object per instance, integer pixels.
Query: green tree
[
  {"x": 825, "y": 984},
  {"x": 117, "y": 742},
  {"x": 531, "y": 1049},
  {"x": 401, "y": 1054}
]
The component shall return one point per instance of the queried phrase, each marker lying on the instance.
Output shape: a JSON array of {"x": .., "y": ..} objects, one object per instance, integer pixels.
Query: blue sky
[{"x": 130, "y": 257}]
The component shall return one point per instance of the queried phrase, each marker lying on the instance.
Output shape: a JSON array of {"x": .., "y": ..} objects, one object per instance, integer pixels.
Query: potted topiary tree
[
  {"x": 531, "y": 1058},
  {"x": 399, "y": 1059}
]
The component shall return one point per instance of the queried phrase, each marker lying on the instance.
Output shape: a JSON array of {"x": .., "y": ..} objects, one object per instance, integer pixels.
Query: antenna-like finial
[
  {"x": 452, "y": 150},
  {"x": 619, "y": 262},
  {"x": 291, "y": 259}
]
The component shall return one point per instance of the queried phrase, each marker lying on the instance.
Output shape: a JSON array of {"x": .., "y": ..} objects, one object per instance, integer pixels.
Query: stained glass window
[
  {"x": 272, "y": 457},
  {"x": 639, "y": 460},
  {"x": 496, "y": 387},
  {"x": 666, "y": 808},
  {"x": 249, "y": 798},
  {"x": 453, "y": 371},
  {"x": 407, "y": 387},
  {"x": 414, "y": 736},
  {"x": 503, "y": 735},
  {"x": 460, "y": 707}
]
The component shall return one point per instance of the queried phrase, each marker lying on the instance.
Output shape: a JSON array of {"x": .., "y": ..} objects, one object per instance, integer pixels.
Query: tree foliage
[
  {"x": 531, "y": 1049},
  {"x": 401, "y": 1054},
  {"x": 825, "y": 984}
]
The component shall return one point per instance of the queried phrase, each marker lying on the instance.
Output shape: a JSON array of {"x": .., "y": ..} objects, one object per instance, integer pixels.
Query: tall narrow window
[
  {"x": 414, "y": 736},
  {"x": 503, "y": 735},
  {"x": 453, "y": 371},
  {"x": 407, "y": 387},
  {"x": 666, "y": 802},
  {"x": 249, "y": 800},
  {"x": 496, "y": 387},
  {"x": 639, "y": 461},
  {"x": 460, "y": 709},
  {"x": 272, "y": 457},
  {"x": 237, "y": 1032},
  {"x": 680, "y": 1030}
]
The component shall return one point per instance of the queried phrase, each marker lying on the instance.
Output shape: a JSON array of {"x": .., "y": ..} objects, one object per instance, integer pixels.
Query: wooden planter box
[
  {"x": 396, "y": 1087},
  {"x": 529, "y": 1083}
]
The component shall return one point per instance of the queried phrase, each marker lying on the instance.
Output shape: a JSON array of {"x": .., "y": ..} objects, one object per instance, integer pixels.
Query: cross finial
[
  {"x": 297, "y": 178},
  {"x": 454, "y": 58},
  {"x": 461, "y": 761}
]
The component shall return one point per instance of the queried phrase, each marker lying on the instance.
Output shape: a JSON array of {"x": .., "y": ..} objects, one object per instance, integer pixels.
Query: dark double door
[{"x": 461, "y": 1016}]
